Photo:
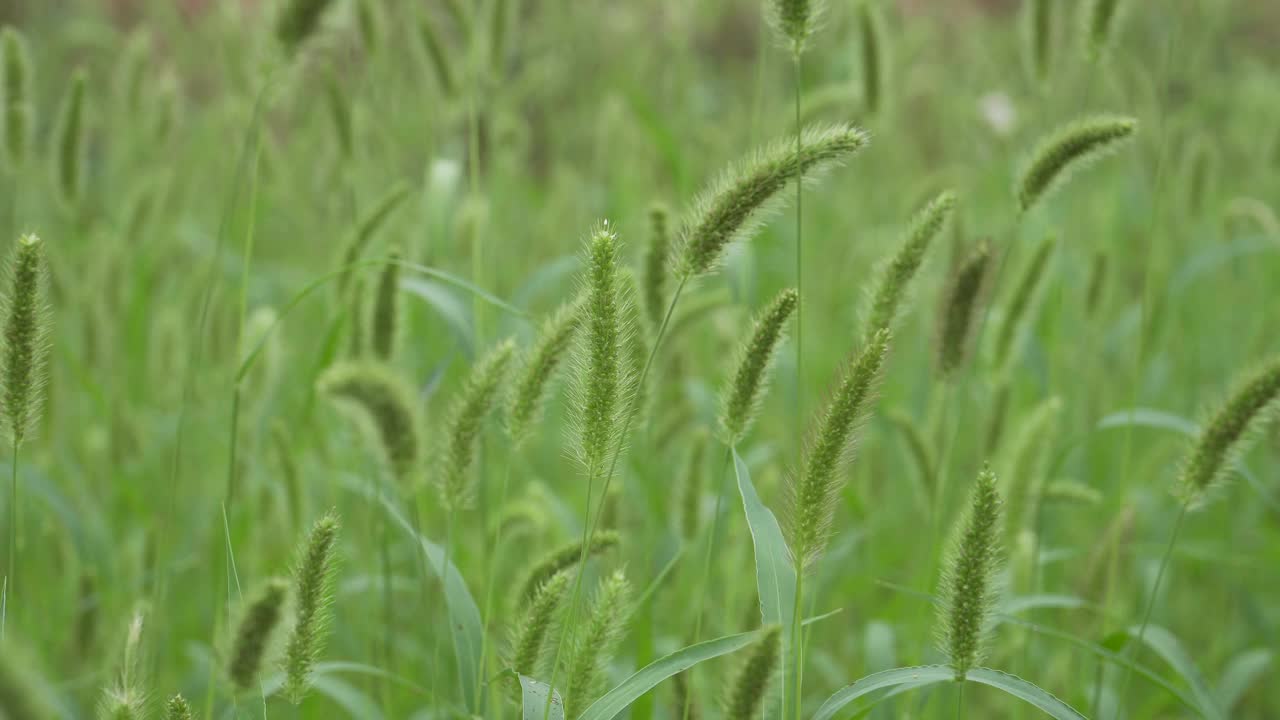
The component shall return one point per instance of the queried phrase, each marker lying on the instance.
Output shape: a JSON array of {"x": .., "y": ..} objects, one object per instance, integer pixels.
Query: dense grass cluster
[{"x": 656, "y": 360}]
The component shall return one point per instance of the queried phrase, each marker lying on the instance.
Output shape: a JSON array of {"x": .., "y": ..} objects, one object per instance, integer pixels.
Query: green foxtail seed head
[
  {"x": 602, "y": 376},
  {"x": 1101, "y": 25},
  {"x": 637, "y": 348},
  {"x": 689, "y": 511},
  {"x": 960, "y": 309},
  {"x": 22, "y": 696},
  {"x": 874, "y": 53},
  {"x": 968, "y": 591},
  {"x": 596, "y": 641},
  {"x": 528, "y": 637},
  {"x": 178, "y": 709},
  {"x": 794, "y": 21},
  {"x": 125, "y": 699},
  {"x": 565, "y": 557},
  {"x": 1066, "y": 149},
  {"x": 26, "y": 338},
  {"x": 814, "y": 493},
  {"x": 298, "y": 21},
  {"x": 1022, "y": 301},
  {"x": 654, "y": 278},
  {"x": 68, "y": 169},
  {"x": 254, "y": 633},
  {"x": 1039, "y": 38},
  {"x": 384, "y": 326},
  {"x": 1226, "y": 434},
  {"x": 358, "y": 238},
  {"x": 894, "y": 279},
  {"x": 541, "y": 364},
  {"x": 18, "y": 109},
  {"x": 734, "y": 206},
  {"x": 745, "y": 694},
  {"x": 386, "y": 406},
  {"x": 479, "y": 395},
  {"x": 740, "y": 397},
  {"x": 437, "y": 55},
  {"x": 313, "y": 574}
]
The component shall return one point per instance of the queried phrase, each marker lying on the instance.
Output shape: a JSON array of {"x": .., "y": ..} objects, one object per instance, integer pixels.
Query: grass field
[{"x": 402, "y": 359}]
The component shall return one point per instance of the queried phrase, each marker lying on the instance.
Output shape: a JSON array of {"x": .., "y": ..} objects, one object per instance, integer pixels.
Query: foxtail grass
[
  {"x": 564, "y": 558},
  {"x": 597, "y": 642},
  {"x": 893, "y": 281},
  {"x": 313, "y": 575},
  {"x": 477, "y": 399},
  {"x": 178, "y": 709},
  {"x": 537, "y": 621},
  {"x": 874, "y": 52},
  {"x": 18, "y": 108},
  {"x": 540, "y": 365},
  {"x": 653, "y": 280},
  {"x": 385, "y": 325},
  {"x": 1038, "y": 19},
  {"x": 742, "y": 393},
  {"x": 254, "y": 634},
  {"x": 382, "y": 402},
  {"x": 1066, "y": 150},
  {"x": 747, "y": 690},
  {"x": 960, "y": 309},
  {"x": 969, "y": 580},
  {"x": 70, "y": 144}
]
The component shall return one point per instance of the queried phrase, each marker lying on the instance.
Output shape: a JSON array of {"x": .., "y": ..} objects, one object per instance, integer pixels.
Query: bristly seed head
[
  {"x": 969, "y": 581},
  {"x": 794, "y": 21},
  {"x": 654, "y": 279},
  {"x": 1070, "y": 147},
  {"x": 541, "y": 363},
  {"x": 313, "y": 575},
  {"x": 383, "y": 399},
  {"x": 893, "y": 281},
  {"x": 253, "y": 636},
  {"x": 478, "y": 397},
  {"x": 18, "y": 111},
  {"x": 23, "y": 365},
  {"x": 960, "y": 309},
  {"x": 740, "y": 397},
  {"x": 596, "y": 642},
  {"x": 1213, "y": 454},
  {"x": 565, "y": 557},
  {"x": 746, "y": 692},
  {"x": 178, "y": 709}
]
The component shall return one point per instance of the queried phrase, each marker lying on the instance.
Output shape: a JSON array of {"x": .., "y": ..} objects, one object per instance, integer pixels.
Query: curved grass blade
[
  {"x": 1166, "y": 645},
  {"x": 533, "y": 694},
  {"x": 1243, "y": 671},
  {"x": 775, "y": 577},
  {"x": 620, "y": 698},
  {"x": 914, "y": 677},
  {"x": 454, "y": 312},
  {"x": 1026, "y": 691}
]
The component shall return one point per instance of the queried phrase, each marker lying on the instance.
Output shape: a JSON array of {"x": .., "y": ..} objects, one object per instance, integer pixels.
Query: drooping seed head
[
  {"x": 541, "y": 365},
  {"x": 385, "y": 404},
  {"x": 960, "y": 309},
  {"x": 298, "y": 21},
  {"x": 384, "y": 325},
  {"x": 1021, "y": 302},
  {"x": 596, "y": 642},
  {"x": 1215, "y": 449},
  {"x": 741, "y": 395},
  {"x": 744, "y": 697},
  {"x": 813, "y": 495},
  {"x": 1068, "y": 149},
  {"x": 656, "y": 254},
  {"x": 538, "y": 619},
  {"x": 873, "y": 46},
  {"x": 23, "y": 364},
  {"x": 602, "y": 377},
  {"x": 313, "y": 574},
  {"x": 735, "y": 205},
  {"x": 69, "y": 164},
  {"x": 18, "y": 108},
  {"x": 894, "y": 279},
  {"x": 565, "y": 557},
  {"x": 479, "y": 395},
  {"x": 969, "y": 589},
  {"x": 254, "y": 634}
]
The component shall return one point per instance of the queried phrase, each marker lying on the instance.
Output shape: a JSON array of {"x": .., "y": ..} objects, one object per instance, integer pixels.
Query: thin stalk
[
  {"x": 797, "y": 639},
  {"x": 493, "y": 573},
  {"x": 444, "y": 574},
  {"x": 588, "y": 530},
  {"x": 13, "y": 540},
  {"x": 706, "y": 567},
  {"x": 1146, "y": 615},
  {"x": 960, "y": 701}
]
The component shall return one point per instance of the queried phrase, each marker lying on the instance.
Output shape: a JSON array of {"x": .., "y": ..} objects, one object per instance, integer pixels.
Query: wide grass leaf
[
  {"x": 775, "y": 577},
  {"x": 620, "y": 698},
  {"x": 1166, "y": 645},
  {"x": 918, "y": 676},
  {"x": 1243, "y": 671},
  {"x": 533, "y": 700},
  {"x": 1025, "y": 691}
]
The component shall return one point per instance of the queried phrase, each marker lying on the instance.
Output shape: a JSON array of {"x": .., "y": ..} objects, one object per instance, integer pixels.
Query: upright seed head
[
  {"x": 178, "y": 709},
  {"x": 969, "y": 581},
  {"x": 794, "y": 21},
  {"x": 1225, "y": 436},
  {"x": 565, "y": 557},
  {"x": 596, "y": 642},
  {"x": 654, "y": 279},
  {"x": 313, "y": 574},
  {"x": 298, "y": 21},
  {"x": 734, "y": 206},
  {"x": 744, "y": 697},
  {"x": 383, "y": 401},
  {"x": 894, "y": 279},
  {"x": 814, "y": 494},
  {"x": 601, "y": 379},
  {"x": 740, "y": 397},
  {"x": 1068, "y": 148},
  {"x": 1039, "y": 32},
  {"x": 384, "y": 331},
  {"x": 26, "y": 333},
  {"x": 125, "y": 698},
  {"x": 254, "y": 633},
  {"x": 541, "y": 364},
  {"x": 1022, "y": 300},
  {"x": 873, "y": 44},
  {"x": 528, "y": 637},
  {"x": 1101, "y": 25},
  {"x": 960, "y": 309},
  {"x": 68, "y": 170},
  {"x": 480, "y": 394},
  {"x": 19, "y": 110}
]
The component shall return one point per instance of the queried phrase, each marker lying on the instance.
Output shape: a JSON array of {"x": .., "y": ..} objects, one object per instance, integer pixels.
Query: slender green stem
[
  {"x": 960, "y": 700},
  {"x": 495, "y": 554},
  {"x": 705, "y": 577},
  {"x": 11, "y": 571},
  {"x": 797, "y": 638},
  {"x": 588, "y": 530},
  {"x": 1136, "y": 645}
]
